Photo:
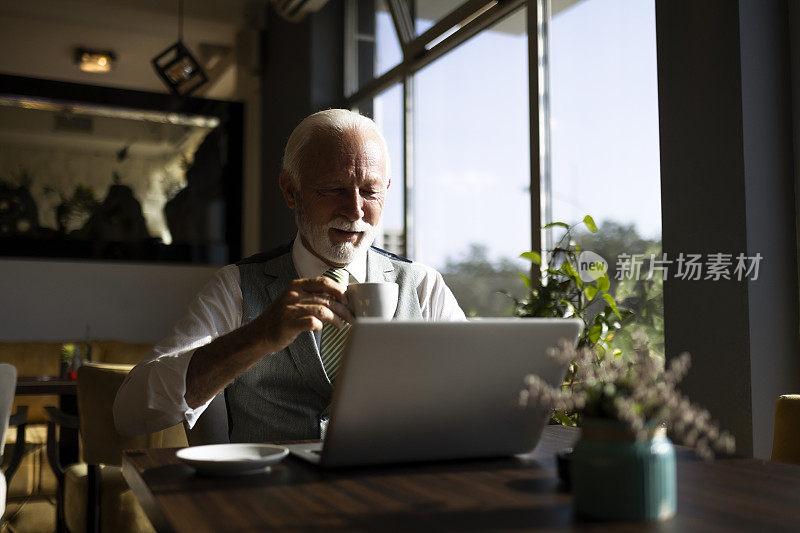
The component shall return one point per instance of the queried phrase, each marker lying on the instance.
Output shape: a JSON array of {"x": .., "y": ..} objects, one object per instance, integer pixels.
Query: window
[
  {"x": 604, "y": 114},
  {"x": 604, "y": 150},
  {"x": 472, "y": 166},
  {"x": 453, "y": 106},
  {"x": 449, "y": 87}
]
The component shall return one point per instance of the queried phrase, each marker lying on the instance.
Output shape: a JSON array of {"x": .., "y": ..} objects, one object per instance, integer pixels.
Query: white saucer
[{"x": 232, "y": 459}]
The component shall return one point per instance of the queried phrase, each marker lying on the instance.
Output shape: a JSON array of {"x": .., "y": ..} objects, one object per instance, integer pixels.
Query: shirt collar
[{"x": 309, "y": 265}]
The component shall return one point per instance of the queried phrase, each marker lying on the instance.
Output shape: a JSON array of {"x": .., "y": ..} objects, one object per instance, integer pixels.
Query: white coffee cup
[{"x": 374, "y": 299}]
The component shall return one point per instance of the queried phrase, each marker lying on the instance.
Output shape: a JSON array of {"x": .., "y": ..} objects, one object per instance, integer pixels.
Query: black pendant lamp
[{"x": 176, "y": 65}]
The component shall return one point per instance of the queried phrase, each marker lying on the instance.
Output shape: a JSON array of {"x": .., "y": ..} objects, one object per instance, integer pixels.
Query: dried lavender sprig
[{"x": 637, "y": 392}]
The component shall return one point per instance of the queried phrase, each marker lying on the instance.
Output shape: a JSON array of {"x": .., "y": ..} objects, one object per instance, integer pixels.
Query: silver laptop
[{"x": 422, "y": 391}]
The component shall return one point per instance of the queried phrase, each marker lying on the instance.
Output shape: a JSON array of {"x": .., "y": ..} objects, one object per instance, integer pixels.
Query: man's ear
[{"x": 286, "y": 183}]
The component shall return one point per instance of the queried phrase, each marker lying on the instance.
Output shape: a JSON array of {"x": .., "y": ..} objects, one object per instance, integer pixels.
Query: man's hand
[{"x": 305, "y": 305}]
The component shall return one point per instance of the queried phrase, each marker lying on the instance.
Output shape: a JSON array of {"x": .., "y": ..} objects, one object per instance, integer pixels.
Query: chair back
[
  {"x": 33, "y": 359},
  {"x": 8, "y": 387},
  {"x": 212, "y": 426},
  {"x": 785, "y": 441},
  {"x": 97, "y": 387}
]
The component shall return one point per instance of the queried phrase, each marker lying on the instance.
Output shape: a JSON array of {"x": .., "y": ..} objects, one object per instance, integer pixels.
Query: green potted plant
[
  {"x": 70, "y": 360},
  {"x": 67, "y": 355},
  {"x": 623, "y": 466},
  {"x": 562, "y": 289}
]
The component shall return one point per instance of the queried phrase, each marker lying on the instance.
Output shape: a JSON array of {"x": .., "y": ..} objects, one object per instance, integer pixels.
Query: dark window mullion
[
  {"x": 403, "y": 23},
  {"x": 538, "y": 16}
]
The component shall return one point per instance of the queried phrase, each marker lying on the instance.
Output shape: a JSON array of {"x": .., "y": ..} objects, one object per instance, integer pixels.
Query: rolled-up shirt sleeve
[{"x": 152, "y": 396}]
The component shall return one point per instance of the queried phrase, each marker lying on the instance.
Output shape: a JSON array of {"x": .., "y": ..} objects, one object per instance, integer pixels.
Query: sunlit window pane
[
  {"x": 472, "y": 173},
  {"x": 604, "y": 114},
  {"x": 388, "y": 51},
  {"x": 604, "y": 134}
]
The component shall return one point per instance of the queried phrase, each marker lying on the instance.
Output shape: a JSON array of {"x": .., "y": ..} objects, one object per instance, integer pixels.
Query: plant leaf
[
  {"x": 563, "y": 418},
  {"x": 532, "y": 257},
  {"x": 594, "y": 333},
  {"x": 553, "y": 224},
  {"x": 611, "y": 303},
  {"x": 589, "y": 221},
  {"x": 525, "y": 279},
  {"x": 570, "y": 271},
  {"x": 590, "y": 291},
  {"x": 603, "y": 283}
]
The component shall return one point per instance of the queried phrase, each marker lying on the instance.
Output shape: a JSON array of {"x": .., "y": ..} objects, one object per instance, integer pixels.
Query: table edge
[{"x": 155, "y": 514}]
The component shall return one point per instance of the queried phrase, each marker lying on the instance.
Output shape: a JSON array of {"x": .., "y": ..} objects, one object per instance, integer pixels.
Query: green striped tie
[{"x": 333, "y": 340}]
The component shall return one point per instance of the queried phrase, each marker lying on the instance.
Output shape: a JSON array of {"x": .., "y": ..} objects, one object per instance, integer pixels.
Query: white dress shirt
[{"x": 152, "y": 396}]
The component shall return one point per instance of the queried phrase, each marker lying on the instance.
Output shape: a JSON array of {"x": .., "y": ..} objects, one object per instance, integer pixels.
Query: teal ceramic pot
[{"x": 616, "y": 477}]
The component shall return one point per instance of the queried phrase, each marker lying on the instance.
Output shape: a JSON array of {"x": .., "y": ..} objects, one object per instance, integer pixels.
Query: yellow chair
[
  {"x": 95, "y": 495},
  {"x": 786, "y": 437},
  {"x": 26, "y": 465}
]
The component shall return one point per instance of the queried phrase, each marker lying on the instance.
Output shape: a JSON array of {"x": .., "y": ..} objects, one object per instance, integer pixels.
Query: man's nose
[{"x": 353, "y": 206}]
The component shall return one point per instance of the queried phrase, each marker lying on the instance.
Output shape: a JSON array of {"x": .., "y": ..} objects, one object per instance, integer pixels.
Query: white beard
[{"x": 319, "y": 240}]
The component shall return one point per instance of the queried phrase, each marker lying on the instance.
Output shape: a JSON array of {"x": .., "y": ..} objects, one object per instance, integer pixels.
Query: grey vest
[{"x": 284, "y": 395}]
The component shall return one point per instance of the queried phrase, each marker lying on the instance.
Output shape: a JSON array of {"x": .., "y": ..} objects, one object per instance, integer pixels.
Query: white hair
[{"x": 333, "y": 122}]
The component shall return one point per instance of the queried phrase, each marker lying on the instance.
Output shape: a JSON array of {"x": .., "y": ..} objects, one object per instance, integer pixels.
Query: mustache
[{"x": 347, "y": 225}]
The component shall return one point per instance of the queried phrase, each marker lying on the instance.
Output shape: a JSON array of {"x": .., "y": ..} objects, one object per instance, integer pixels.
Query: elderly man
[{"x": 261, "y": 329}]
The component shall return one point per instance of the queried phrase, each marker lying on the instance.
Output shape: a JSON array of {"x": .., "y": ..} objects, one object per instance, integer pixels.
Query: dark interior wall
[
  {"x": 303, "y": 73},
  {"x": 769, "y": 189},
  {"x": 794, "y": 67},
  {"x": 703, "y": 202},
  {"x": 327, "y": 56},
  {"x": 727, "y": 186}
]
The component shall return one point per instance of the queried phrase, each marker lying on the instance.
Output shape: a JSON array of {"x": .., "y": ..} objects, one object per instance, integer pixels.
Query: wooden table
[
  {"x": 66, "y": 390},
  {"x": 27, "y": 385},
  {"x": 520, "y": 493}
]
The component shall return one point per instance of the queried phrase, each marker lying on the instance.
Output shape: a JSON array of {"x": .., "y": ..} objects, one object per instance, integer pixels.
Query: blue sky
[
  {"x": 471, "y": 131},
  {"x": 604, "y": 113}
]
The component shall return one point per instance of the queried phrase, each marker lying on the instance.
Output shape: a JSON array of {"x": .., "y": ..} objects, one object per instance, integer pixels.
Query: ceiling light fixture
[
  {"x": 94, "y": 60},
  {"x": 177, "y": 67}
]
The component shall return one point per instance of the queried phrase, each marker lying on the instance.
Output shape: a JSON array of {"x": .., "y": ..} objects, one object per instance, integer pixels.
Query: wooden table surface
[
  {"x": 513, "y": 494},
  {"x": 27, "y": 385}
]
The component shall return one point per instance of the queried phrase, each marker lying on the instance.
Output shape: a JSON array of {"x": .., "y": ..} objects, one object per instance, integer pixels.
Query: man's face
[{"x": 341, "y": 196}]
